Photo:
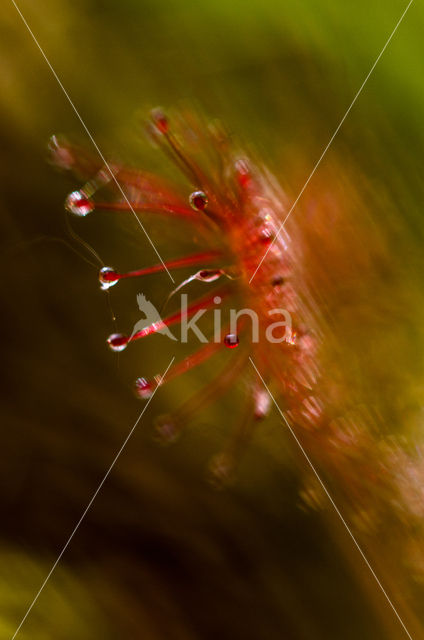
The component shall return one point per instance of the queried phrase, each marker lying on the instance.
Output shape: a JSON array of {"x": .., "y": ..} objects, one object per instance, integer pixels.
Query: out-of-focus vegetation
[{"x": 161, "y": 554}]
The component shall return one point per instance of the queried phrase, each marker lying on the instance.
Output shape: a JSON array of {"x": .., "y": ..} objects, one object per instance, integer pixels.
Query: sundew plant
[{"x": 236, "y": 274}]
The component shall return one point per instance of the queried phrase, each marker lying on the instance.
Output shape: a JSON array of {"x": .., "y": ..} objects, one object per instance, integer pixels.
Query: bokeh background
[{"x": 161, "y": 554}]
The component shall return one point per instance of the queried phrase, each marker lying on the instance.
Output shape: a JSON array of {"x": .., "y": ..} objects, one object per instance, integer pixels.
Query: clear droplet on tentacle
[
  {"x": 266, "y": 235},
  {"x": 198, "y": 200},
  {"x": 262, "y": 401},
  {"x": 277, "y": 281},
  {"x": 243, "y": 173},
  {"x": 231, "y": 340},
  {"x": 209, "y": 275},
  {"x": 117, "y": 342},
  {"x": 160, "y": 120},
  {"x": 107, "y": 278},
  {"x": 78, "y": 204},
  {"x": 292, "y": 337},
  {"x": 144, "y": 388}
]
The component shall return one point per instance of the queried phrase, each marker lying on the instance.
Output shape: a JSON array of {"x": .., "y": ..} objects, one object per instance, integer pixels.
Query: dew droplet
[
  {"x": 160, "y": 120},
  {"x": 242, "y": 172},
  {"x": 277, "y": 281},
  {"x": 117, "y": 341},
  {"x": 198, "y": 200},
  {"x": 143, "y": 388},
  {"x": 291, "y": 339},
  {"x": 262, "y": 401},
  {"x": 107, "y": 277},
  {"x": 266, "y": 236},
  {"x": 231, "y": 340},
  {"x": 78, "y": 204},
  {"x": 209, "y": 275}
]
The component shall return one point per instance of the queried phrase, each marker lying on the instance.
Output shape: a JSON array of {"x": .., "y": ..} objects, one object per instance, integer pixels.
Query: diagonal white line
[
  {"x": 91, "y": 137},
  {"x": 75, "y": 529},
  {"x": 331, "y": 139},
  {"x": 331, "y": 500}
]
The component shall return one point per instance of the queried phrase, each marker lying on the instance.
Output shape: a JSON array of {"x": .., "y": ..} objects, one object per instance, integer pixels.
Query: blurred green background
[{"x": 161, "y": 555}]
